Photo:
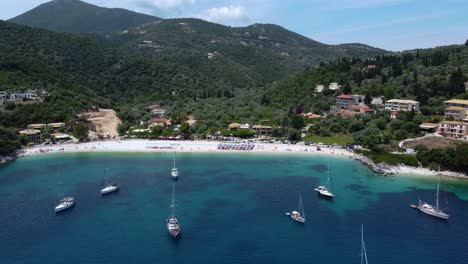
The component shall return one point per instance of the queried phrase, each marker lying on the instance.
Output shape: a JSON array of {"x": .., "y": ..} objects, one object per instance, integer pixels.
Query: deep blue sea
[{"x": 231, "y": 209}]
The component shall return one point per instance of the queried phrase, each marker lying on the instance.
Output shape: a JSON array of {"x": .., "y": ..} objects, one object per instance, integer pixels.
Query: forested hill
[
  {"x": 268, "y": 51},
  {"x": 77, "y": 16},
  {"x": 429, "y": 76}
]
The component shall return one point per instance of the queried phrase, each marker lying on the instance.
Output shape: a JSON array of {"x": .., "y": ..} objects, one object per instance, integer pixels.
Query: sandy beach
[{"x": 141, "y": 145}]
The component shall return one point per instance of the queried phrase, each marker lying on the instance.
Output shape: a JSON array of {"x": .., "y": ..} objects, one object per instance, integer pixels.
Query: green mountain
[
  {"x": 268, "y": 50},
  {"x": 261, "y": 51},
  {"x": 77, "y": 16}
]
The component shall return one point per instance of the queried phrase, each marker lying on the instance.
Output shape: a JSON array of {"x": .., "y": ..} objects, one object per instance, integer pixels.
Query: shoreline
[{"x": 163, "y": 146}]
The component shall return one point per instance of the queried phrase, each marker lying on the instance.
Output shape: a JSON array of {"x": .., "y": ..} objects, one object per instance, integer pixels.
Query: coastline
[{"x": 153, "y": 146}]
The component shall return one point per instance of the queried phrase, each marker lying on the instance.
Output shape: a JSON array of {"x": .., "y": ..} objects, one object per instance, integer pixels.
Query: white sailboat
[
  {"x": 363, "y": 247},
  {"x": 172, "y": 223},
  {"x": 324, "y": 191},
  {"x": 64, "y": 204},
  {"x": 299, "y": 215},
  {"x": 433, "y": 210},
  {"x": 174, "y": 171},
  {"x": 109, "y": 187}
]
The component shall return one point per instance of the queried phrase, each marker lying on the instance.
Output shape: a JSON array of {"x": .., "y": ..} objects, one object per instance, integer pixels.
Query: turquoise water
[{"x": 231, "y": 208}]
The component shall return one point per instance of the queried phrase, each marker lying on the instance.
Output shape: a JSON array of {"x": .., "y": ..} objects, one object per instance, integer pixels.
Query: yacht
[
  {"x": 173, "y": 226},
  {"x": 174, "y": 171},
  {"x": 298, "y": 216},
  {"x": 64, "y": 204},
  {"x": 109, "y": 187},
  {"x": 433, "y": 210},
  {"x": 323, "y": 191}
]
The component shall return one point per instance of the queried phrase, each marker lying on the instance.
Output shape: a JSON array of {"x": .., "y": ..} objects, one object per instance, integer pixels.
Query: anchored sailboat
[
  {"x": 433, "y": 210},
  {"x": 109, "y": 187},
  {"x": 324, "y": 191},
  {"x": 172, "y": 223},
  {"x": 299, "y": 215},
  {"x": 174, "y": 171},
  {"x": 64, "y": 203},
  {"x": 363, "y": 247}
]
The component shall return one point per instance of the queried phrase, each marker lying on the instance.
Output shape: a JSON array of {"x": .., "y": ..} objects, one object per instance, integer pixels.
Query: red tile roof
[{"x": 345, "y": 96}]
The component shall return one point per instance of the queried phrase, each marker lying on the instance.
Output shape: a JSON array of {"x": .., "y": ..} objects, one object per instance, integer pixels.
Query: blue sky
[{"x": 389, "y": 24}]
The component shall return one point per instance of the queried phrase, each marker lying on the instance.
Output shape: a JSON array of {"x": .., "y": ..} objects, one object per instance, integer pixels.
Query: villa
[
  {"x": 33, "y": 135},
  {"x": 262, "y": 130},
  {"x": 453, "y": 129},
  {"x": 402, "y": 105},
  {"x": 456, "y": 109}
]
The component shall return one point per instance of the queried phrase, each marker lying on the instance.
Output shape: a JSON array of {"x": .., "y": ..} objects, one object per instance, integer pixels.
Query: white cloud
[{"x": 229, "y": 15}]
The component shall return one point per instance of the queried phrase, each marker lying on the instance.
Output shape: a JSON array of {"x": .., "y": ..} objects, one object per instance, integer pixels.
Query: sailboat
[
  {"x": 174, "y": 171},
  {"x": 298, "y": 216},
  {"x": 433, "y": 210},
  {"x": 322, "y": 190},
  {"x": 172, "y": 223},
  {"x": 64, "y": 202},
  {"x": 109, "y": 187},
  {"x": 363, "y": 247}
]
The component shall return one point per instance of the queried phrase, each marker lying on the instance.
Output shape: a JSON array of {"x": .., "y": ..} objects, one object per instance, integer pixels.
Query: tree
[
  {"x": 121, "y": 129},
  {"x": 10, "y": 105},
  {"x": 367, "y": 99},
  {"x": 9, "y": 141},
  {"x": 347, "y": 89},
  {"x": 297, "y": 122},
  {"x": 185, "y": 130},
  {"x": 157, "y": 131},
  {"x": 294, "y": 135},
  {"x": 81, "y": 132}
]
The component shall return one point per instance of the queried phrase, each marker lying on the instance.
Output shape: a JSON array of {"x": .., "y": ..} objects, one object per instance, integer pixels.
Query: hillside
[
  {"x": 429, "y": 76},
  {"x": 77, "y": 16},
  {"x": 263, "y": 52}
]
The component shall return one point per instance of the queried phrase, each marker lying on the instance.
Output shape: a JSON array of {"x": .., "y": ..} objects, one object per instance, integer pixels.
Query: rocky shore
[
  {"x": 4, "y": 160},
  {"x": 388, "y": 170}
]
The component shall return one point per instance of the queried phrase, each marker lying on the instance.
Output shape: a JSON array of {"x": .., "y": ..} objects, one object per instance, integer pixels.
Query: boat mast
[
  {"x": 437, "y": 196},
  {"x": 328, "y": 183},
  {"x": 301, "y": 207},
  {"x": 173, "y": 200},
  {"x": 173, "y": 157},
  {"x": 363, "y": 247}
]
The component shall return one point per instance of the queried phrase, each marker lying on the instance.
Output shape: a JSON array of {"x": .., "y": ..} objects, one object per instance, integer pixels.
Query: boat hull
[
  {"x": 109, "y": 190},
  {"x": 59, "y": 209},
  {"x": 434, "y": 214}
]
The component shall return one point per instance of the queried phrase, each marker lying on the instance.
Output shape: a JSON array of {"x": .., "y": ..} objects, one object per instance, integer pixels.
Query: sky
[{"x": 389, "y": 24}]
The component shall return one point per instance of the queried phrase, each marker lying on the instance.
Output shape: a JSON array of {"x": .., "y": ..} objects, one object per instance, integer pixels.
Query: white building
[
  {"x": 334, "y": 86},
  {"x": 402, "y": 105},
  {"x": 319, "y": 88}
]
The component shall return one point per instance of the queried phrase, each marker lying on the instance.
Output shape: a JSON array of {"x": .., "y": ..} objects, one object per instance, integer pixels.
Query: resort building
[
  {"x": 457, "y": 103},
  {"x": 311, "y": 115},
  {"x": 453, "y": 129},
  {"x": 37, "y": 126},
  {"x": 334, "y": 86},
  {"x": 55, "y": 126},
  {"x": 456, "y": 113},
  {"x": 192, "y": 122},
  {"x": 429, "y": 127},
  {"x": 164, "y": 122},
  {"x": 402, "y": 105},
  {"x": 319, "y": 88},
  {"x": 456, "y": 109},
  {"x": 157, "y": 110},
  {"x": 262, "y": 130},
  {"x": 234, "y": 126},
  {"x": 33, "y": 135},
  {"x": 60, "y": 137},
  {"x": 345, "y": 101}
]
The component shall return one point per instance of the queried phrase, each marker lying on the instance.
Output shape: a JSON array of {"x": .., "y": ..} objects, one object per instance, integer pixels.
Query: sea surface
[{"x": 231, "y": 208}]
